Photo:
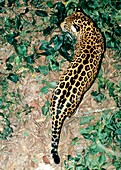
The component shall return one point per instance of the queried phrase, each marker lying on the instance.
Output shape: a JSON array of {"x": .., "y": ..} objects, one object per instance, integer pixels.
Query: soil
[{"x": 30, "y": 144}]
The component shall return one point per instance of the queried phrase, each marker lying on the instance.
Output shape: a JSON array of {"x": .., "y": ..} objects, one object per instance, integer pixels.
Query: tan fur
[{"x": 79, "y": 75}]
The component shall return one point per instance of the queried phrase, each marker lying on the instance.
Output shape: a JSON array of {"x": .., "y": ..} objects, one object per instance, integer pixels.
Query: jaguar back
[{"x": 80, "y": 74}]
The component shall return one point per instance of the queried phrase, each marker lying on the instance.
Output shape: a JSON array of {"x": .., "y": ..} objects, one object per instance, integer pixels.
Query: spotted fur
[{"x": 80, "y": 74}]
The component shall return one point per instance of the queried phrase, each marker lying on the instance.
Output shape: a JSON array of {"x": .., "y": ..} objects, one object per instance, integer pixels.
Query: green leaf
[
  {"x": 120, "y": 84},
  {"x": 99, "y": 97},
  {"x": 10, "y": 2},
  {"x": 49, "y": 4},
  {"x": 10, "y": 59},
  {"x": 44, "y": 45},
  {"x": 111, "y": 89},
  {"x": 65, "y": 54},
  {"x": 70, "y": 158},
  {"x": 13, "y": 77},
  {"x": 25, "y": 2},
  {"x": 18, "y": 22},
  {"x": 87, "y": 130},
  {"x": 2, "y": 31},
  {"x": 94, "y": 149},
  {"x": 43, "y": 69},
  {"x": 118, "y": 131},
  {"x": 9, "y": 66},
  {"x": 58, "y": 41},
  {"x": 86, "y": 119},
  {"x": 50, "y": 57},
  {"x": 29, "y": 59},
  {"x": 44, "y": 81},
  {"x": 48, "y": 85},
  {"x": 60, "y": 13},
  {"x": 70, "y": 7},
  {"x": 2, "y": 3},
  {"x": 48, "y": 49},
  {"x": 44, "y": 89},
  {"x": 67, "y": 47},
  {"x": 77, "y": 159},
  {"x": 54, "y": 65},
  {"x": 45, "y": 108},
  {"x": 74, "y": 141},
  {"x": 26, "y": 134},
  {"x": 27, "y": 109},
  {"x": 7, "y": 130},
  {"x": 22, "y": 50},
  {"x": 1, "y": 103},
  {"x": 11, "y": 39},
  {"x": 51, "y": 84},
  {"x": 54, "y": 19},
  {"x": 41, "y": 13},
  {"x": 102, "y": 159},
  {"x": 117, "y": 66},
  {"x": 18, "y": 60},
  {"x": 47, "y": 30}
]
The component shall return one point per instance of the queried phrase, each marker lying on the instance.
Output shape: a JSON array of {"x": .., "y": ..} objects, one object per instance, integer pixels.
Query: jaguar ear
[{"x": 78, "y": 9}]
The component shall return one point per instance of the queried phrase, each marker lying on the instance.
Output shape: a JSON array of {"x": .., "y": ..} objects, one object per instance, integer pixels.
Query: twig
[
  {"x": 90, "y": 112},
  {"x": 100, "y": 110},
  {"x": 107, "y": 150}
]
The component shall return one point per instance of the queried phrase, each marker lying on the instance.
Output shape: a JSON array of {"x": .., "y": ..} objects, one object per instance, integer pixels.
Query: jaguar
[{"x": 80, "y": 74}]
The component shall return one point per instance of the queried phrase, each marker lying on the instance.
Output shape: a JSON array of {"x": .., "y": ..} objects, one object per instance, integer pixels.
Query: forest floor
[{"x": 30, "y": 144}]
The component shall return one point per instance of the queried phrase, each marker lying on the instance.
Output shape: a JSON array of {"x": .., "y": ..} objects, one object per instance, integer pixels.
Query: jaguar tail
[{"x": 56, "y": 130}]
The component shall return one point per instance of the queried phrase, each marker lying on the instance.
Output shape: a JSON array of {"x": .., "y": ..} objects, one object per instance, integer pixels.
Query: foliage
[
  {"x": 21, "y": 21},
  {"x": 105, "y": 140},
  {"x": 106, "y": 15},
  {"x": 6, "y": 130},
  {"x": 8, "y": 103}
]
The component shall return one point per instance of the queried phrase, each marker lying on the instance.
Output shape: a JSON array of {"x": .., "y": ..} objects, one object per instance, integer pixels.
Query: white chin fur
[{"x": 73, "y": 28}]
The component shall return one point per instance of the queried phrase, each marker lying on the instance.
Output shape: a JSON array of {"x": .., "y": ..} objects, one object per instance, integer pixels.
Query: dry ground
[{"x": 30, "y": 145}]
